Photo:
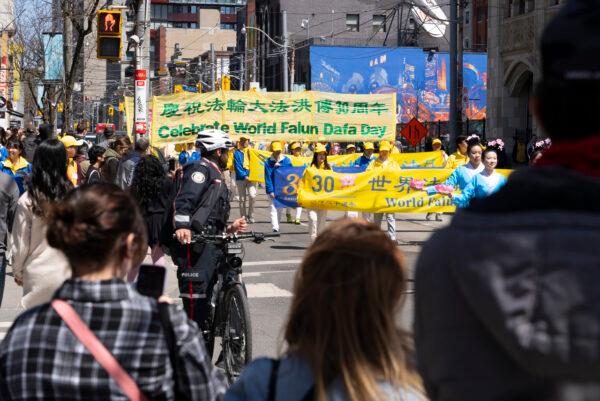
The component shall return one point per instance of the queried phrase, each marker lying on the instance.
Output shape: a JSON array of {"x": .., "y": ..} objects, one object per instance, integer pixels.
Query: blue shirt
[
  {"x": 270, "y": 166},
  {"x": 363, "y": 161},
  {"x": 3, "y": 153},
  {"x": 23, "y": 170},
  {"x": 479, "y": 187},
  {"x": 460, "y": 177},
  {"x": 238, "y": 164},
  {"x": 294, "y": 380}
]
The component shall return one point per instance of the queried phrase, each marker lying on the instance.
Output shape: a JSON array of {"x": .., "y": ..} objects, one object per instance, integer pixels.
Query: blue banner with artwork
[{"x": 420, "y": 79}]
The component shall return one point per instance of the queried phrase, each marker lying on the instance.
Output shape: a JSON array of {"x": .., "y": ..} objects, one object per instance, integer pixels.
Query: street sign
[{"x": 414, "y": 132}]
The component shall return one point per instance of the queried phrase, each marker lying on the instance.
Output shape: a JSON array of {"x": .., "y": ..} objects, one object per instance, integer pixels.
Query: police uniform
[{"x": 202, "y": 205}]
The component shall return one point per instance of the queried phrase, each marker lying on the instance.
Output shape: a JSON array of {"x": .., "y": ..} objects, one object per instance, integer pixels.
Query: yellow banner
[
  {"x": 129, "y": 115},
  {"x": 405, "y": 160},
  {"x": 380, "y": 191},
  {"x": 287, "y": 116}
]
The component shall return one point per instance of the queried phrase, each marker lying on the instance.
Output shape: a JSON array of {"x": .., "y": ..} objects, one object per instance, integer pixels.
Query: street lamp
[{"x": 283, "y": 45}]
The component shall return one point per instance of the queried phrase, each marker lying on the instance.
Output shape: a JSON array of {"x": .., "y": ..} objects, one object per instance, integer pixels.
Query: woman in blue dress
[
  {"x": 483, "y": 184},
  {"x": 462, "y": 176}
]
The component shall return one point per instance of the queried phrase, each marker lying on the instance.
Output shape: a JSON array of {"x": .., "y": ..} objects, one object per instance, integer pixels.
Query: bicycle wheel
[{"x": 237, "y": 336}]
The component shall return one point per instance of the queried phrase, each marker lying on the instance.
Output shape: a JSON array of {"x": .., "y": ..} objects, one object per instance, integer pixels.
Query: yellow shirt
[
  {"x": 21, "y": 163},
  {"x": 72, "y": 172},
  {"x": 456, "y": 160},
  {"x": 379, "y": 164}
]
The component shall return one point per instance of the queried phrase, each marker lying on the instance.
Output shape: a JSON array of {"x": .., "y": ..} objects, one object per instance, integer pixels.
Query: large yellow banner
[
  {"x": 379, "y": 191},
  {"x": 287, "y": 116},
  {"x": 405, "y": 160}
]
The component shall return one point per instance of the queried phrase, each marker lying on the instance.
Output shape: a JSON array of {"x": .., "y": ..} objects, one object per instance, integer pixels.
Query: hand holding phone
[{"x": 151, "y": 281}]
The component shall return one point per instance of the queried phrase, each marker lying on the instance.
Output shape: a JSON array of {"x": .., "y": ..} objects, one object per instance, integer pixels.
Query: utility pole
[
  {"x": 293, "y": 68},
  {"x": 213, "y": 67},
  {"x": 141, "y": 82},
  {"x": 285, "y": 52},
  {"x": 459, "y": 71},
  {"x": 68, "y": 61},
  {"x": 453, "y": 70},
  {"x": 242, "y": 71},
  {"x": 254, "y": 65}
]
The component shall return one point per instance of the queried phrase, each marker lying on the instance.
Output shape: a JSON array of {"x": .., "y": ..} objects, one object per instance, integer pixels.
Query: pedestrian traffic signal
[{"x": 108, "y": 45}]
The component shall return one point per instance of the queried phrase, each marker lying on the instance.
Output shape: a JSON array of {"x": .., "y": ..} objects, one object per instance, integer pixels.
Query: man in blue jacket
[
  {"x": 366, "y": 157},
  {"x": 246, "y": 188},
  {"x": 271, "y": 164}
]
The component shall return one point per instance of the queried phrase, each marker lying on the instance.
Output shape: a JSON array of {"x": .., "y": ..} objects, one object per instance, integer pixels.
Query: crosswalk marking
[
  {"x": 274, "y": 262},
  {"x": 266, "y": 290}
]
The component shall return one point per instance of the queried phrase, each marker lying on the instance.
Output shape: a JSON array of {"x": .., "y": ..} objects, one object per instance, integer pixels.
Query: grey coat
[
  {"x": 9, "y": 195},
  {"x": 507, "y": 300}
]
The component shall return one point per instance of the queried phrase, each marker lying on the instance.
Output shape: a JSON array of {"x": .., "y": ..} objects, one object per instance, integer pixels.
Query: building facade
[
  {"x": 515, "y": 28},
  {"x": 354, "y": 23}
]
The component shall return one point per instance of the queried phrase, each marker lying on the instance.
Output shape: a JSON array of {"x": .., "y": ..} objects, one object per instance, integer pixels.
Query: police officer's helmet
[{"x": 213, "y": 139}]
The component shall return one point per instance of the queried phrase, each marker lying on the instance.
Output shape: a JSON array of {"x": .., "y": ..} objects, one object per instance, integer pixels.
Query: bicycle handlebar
[{"x": 224, "y": 237}]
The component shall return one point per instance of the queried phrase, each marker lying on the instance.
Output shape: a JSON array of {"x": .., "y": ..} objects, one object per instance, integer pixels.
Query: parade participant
[
  {"x": 350, "y": 149},
  {"x": 96, "y": 157},
  {"x": 151, "y": 188},
  {"x": 37, "y": 267},
  {"x": 367, "y": 156},
  {"x": 202, "y": 204},
  {"x": 343, "y": 340},
  {"x": 9, "y": 196},
  {"x": 436, "y": 146},
  {"x": 296, "y": 151},
  {"x": 275, "y": 161},
  {"x": 71, "y": 145},
  {"x": 317, "y": 219},
  {"x": 113, "y": 154},
  {"x": 509, "y": 290},
  {"x": 46, "y": 357},
  {"x": 246, "y": 188},
  {"x": 383, "y": 162},
  {"x": 538, "y": 150},
  {"x": 462, "y": 176},
  {"x": 460, "y": 157},
  {"x": 483, "y": 184},
  {"x": 15, "y": 164}
]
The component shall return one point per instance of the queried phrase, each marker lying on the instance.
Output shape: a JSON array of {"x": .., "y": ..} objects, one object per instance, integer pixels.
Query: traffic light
[
  {"x": 108, "y": 29},
  {"x": 225, "y": 83}
]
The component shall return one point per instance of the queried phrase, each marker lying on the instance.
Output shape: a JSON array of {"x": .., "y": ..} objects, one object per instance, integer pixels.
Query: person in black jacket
[
  {"x": 202, "y": 205},
  {"x": 9, "y": 195},
  {"x": 506, "y": 297}
]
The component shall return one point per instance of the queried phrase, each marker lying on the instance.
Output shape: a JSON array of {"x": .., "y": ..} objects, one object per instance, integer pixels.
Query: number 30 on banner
[{"x": 320, "y": 184}]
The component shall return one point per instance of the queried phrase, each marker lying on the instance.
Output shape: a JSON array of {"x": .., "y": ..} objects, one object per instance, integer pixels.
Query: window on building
[
  {"x": 467, "y": 44},
  {"x": 352, "y": 22},
  {"x": 378, "y": 23},
  {"x": 411, "y": 24},
  {"x": 228, "y": 10},
  {"x": 467, "y": 17},
  {"x": 194, "y": 25},
  {"x": 228, "y": 26}
]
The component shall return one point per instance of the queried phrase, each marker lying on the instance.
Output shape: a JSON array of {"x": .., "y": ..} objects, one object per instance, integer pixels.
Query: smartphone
[{"x": 151, "y": 281}]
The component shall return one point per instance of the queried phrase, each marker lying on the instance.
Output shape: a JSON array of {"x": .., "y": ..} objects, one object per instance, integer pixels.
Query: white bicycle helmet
[{"x": 213, "y": 139}]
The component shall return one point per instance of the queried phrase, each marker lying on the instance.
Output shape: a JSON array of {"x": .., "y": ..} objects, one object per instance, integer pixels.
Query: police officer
[{"x": 202, "y": 205}]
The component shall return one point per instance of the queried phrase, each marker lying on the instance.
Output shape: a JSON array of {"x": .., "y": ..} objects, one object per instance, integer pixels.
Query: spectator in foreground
[
  {"x": 517, "y": 319},
  {"x": 37, "y": 267},
  {"x": 342, "y": 339},
  {"x": 100, "y": 230}
]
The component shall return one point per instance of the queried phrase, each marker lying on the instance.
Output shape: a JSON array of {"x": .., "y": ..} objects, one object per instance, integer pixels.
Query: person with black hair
[
  {"x": 460, "y": 157},
  {"x": 106, "y": 138},
  {"x": 152, "y": 189},
  {"x": 508, "y": 292},
  {"x": 3, "y": 142},
  {"x": 487, "y": 182},
  {"x": 30, "y": 143},
  {"x": 46, "y": 131},
  {"x": 129, "y": 161},
  {"x": 96, "y": 158},
  {"x": 39, "y": 268},
  {"x": 16, "y": 165},
  {"x": 113, "y": 154}
]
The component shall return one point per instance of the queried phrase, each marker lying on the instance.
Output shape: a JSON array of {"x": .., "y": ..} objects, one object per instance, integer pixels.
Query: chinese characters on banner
[{"x": 287, "y": 116}]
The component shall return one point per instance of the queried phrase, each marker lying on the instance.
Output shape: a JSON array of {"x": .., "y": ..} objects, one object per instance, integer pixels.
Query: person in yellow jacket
[
  {"x": 71, "y": 145},
  {"x": 383, "y": 162},
  {"x": 460, "y": 157},
  {"x": 317, "y": 219}
]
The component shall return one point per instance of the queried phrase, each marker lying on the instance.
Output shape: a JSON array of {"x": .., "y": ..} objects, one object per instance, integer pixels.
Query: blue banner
[
  {"x": 421, "y": 80},
  {"x": 53, "y": 56}
]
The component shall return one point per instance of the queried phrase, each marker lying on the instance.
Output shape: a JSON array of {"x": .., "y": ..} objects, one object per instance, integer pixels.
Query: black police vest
[{"x": 213, "y": 211}]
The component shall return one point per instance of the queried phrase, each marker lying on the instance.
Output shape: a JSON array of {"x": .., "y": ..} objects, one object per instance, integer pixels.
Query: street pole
[
  {"x": 141, "y": 82},
  {"x": 242, "y": 72},
  {"x": 285, "y": 53},
  {"x": 453, "y": 71},
  {"x": 293, "y": 68},
  {"x": 68, "y": 8},
  {"x": 254, "y": 65},
  {"x": 459, "y": 70},
  {"x": 213, "y": 67}
]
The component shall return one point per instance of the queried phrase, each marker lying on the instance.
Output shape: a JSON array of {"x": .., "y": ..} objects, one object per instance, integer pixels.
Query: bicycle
[{"x": 229, "y": 313}]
